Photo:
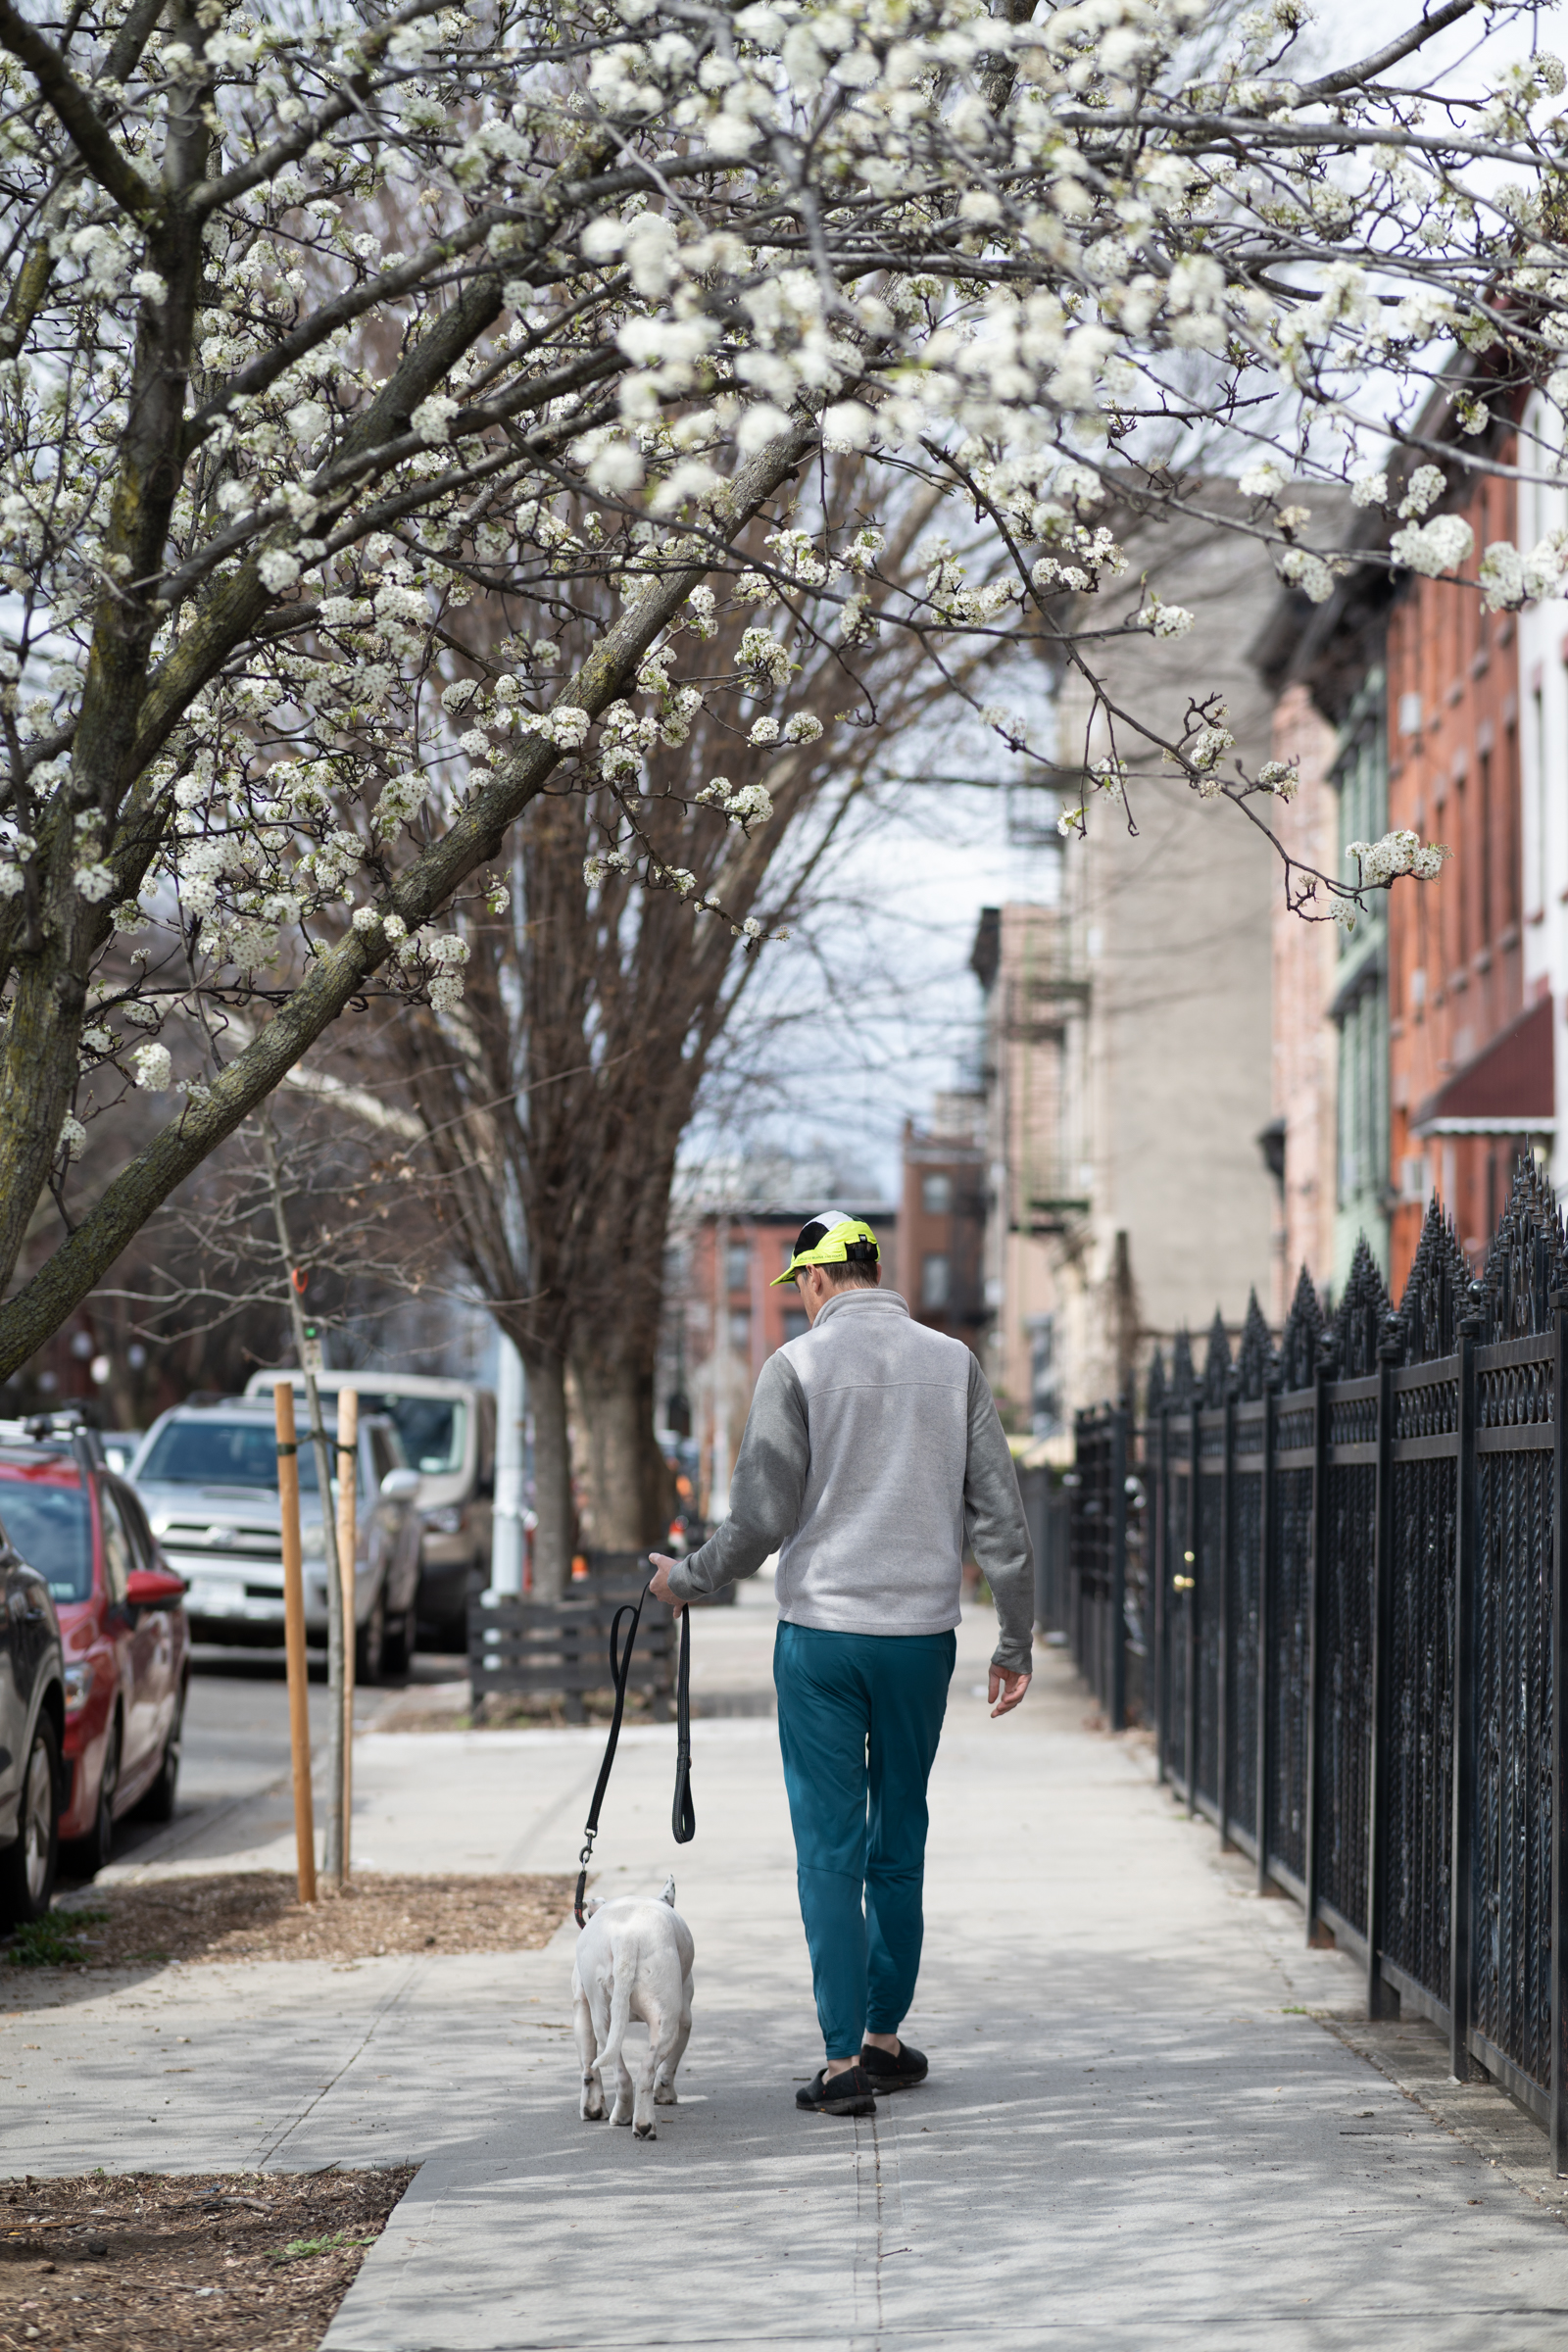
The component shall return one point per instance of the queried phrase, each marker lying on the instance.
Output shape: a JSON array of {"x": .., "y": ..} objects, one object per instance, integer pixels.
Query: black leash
[{"x": 683, "y": 1815}]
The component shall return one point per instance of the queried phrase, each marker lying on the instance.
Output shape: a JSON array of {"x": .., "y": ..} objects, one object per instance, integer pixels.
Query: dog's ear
[
  {"x": 591, "y": 1904},
  {"x": 669, "y": 1895}
]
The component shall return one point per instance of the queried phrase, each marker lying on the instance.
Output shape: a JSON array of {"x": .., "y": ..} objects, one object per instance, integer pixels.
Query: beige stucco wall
[
  {"x": 1306, "y": 1041},
  {"x": 1166, "y": 1061}
]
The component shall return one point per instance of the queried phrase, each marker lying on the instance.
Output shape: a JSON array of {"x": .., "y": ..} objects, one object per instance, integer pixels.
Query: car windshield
[
  {"x": 434, "y": 1430},
  {"x": 49, "y": 1527},
  {"x": 221, "y": 1453}
]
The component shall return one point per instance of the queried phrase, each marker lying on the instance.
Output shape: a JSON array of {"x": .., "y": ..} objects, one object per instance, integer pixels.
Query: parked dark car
[
  {"x": 33, "y": 1723},
  {"x": 124, "y": 1634}
]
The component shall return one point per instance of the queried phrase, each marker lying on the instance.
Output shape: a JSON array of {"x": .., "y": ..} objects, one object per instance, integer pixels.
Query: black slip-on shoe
[
  {"x": 885, "y": 2073},
  {"x": 848, "y": 2094}
]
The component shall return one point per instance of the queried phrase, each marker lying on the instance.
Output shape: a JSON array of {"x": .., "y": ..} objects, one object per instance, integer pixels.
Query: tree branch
[
  {"x": 78, "y": 116},
  {"x": 39, "y": 1307}
]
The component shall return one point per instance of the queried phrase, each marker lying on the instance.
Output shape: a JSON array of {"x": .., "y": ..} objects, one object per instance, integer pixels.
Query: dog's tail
[{"x": 620, "y": 2014}]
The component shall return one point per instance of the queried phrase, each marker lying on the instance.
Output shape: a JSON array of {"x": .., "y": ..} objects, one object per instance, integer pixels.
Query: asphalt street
[{"x": 237, "y": 1731}]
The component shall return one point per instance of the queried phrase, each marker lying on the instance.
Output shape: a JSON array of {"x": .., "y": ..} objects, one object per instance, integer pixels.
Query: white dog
[{"x": 634, "y": 1959}]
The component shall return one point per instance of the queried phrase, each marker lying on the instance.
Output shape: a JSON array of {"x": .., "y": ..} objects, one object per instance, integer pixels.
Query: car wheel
[
  {"x": 27, "y": 1863},
  {"x": 94, "y": 1853},
  {"x": 370, "y": 1643},
  {"x": 159, "y": 1803}
]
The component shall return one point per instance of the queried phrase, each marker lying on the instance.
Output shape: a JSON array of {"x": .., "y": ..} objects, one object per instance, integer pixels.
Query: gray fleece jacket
[{"x": 871, "y": 1446}]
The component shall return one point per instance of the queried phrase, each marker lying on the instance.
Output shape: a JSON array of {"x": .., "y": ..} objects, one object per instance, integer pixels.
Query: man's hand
[
  {"x": 660, "y": 1588},
  {"x": 1006, "y": 1689}
]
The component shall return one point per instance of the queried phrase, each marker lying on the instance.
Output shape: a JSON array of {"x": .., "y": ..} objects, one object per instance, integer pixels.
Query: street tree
[
  {"x": 316, "y": 328},
  {"x": 554, "y": 1096}
]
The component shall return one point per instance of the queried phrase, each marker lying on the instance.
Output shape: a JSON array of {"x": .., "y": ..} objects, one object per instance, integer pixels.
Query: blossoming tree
[{"x": 315, "y": 327}]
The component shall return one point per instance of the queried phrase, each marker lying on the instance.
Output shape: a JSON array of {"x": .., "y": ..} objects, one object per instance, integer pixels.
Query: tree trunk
[
  {"x": 658, "y": 1497},
  {"x": 614, "y": 1414},
  {"x": 552, "y": 1476}
]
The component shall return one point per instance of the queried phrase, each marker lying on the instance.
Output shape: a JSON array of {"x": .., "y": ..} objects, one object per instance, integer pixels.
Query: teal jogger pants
[{"x": 859, "y": 1716}]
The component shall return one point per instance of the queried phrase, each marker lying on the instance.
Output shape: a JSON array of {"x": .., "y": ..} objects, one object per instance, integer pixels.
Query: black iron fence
[{"x": 1350, "y": 1640}]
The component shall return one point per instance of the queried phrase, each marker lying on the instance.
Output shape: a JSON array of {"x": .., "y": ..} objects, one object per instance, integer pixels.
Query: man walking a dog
[{"x": 871, "y": 1450}]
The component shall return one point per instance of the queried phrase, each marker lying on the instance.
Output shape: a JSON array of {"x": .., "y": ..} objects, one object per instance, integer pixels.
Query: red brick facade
[{"x": 1455, "y": 961}]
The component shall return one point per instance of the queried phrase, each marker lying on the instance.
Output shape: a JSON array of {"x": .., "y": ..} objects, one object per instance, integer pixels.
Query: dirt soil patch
[
  {"x": 229, "y": 2262},
  {"x": 256, "y": 1915}
]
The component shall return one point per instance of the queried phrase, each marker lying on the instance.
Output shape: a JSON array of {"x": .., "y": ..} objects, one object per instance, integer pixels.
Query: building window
[
  {"x": 1512, "y": 802},
  {"x": 934, "y": 1275},
  {"x": 936, "y": 1196},
  {"x": 738, "y": 1265},
  {"x": 740, "y": 1330},
  {"x": 796, "y": 1325}
]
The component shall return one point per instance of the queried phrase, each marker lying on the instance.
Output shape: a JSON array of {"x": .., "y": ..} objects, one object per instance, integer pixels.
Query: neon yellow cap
[{"x": 830, "y": 1238}]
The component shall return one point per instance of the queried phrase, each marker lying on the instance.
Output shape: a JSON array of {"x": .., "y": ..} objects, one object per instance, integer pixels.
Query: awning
[{"x": 1508, "y": 1088}]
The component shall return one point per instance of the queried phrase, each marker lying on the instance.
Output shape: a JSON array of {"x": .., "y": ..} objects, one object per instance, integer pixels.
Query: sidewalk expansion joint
[{"x": 382, "y": 2011}]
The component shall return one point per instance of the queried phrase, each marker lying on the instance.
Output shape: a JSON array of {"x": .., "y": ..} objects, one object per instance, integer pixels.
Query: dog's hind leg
[
  {"x": 670, "y": 2055},
  {"x": 643, "y": 2110},
  {"x": 592, "y": 2108},
  {"x": 611, "y": 2026}
]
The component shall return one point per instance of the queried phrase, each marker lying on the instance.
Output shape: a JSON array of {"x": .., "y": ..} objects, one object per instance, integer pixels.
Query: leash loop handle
[
  {"x": 683, "y": 1814},
  {"x": 683, "y": 1819}
]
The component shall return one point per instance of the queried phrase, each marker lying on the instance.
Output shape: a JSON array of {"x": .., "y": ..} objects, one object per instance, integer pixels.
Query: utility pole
[
  {"x": 507, "y": 1525},
  {"x": 719, "y": 1490}
]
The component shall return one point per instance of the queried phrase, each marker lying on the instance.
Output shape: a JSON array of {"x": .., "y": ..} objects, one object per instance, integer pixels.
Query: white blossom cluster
[{"x": 1380, "y": 863}]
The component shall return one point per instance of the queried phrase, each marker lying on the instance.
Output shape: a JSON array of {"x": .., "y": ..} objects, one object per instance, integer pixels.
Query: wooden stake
[
  {"x": 299, "y": 1708},
  {"x": 347, "y": 1482}
]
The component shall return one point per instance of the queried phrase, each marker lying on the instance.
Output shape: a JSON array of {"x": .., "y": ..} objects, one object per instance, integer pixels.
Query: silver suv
[{"x": 207, "y": 1473}]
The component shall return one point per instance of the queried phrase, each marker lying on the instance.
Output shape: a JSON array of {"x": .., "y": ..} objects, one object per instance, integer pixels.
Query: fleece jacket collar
[{"x": 888, "y": 1301}]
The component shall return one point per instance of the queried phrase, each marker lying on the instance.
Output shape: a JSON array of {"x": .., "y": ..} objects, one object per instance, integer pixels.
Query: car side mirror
[
  {"x": 400, "y": 1485},
  {"x": 154, "y": 1589}
]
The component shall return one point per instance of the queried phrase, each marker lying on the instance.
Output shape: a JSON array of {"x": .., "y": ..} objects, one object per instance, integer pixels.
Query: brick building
[
  {"x": 1544, "y": 830},
  {"x": 1467, "y": 1058},
  {"x": 940, "y": 1261},
  {"x": 1406, "y": 1057}
]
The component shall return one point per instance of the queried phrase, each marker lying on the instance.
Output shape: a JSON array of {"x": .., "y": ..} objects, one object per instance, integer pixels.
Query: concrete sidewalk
[
  {"x": 1134, "y": 2135},
  {"x": 1131, "y": 2137}
]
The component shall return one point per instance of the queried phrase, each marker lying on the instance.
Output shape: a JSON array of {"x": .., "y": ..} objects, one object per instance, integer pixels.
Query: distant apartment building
[
  {"x": 1128, "y": 1054},
  {"x": 1299, "y": 1140},
  {"x": 940, "y": 1260},
  {"x": 1329, "y": 1138},
  {"x": 1036, "y": 1178},
  {"x": 1414, "y": 1036},
  {"x": 1542, "y": 735}
]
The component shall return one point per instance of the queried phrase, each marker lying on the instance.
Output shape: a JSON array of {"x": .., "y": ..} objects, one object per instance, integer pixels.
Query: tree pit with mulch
[
  {"x": 256, "y": 1915},
  {"x": 150, "y": 2262}
]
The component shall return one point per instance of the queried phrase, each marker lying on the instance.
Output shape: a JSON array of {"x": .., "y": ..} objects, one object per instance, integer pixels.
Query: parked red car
[{"x": 122, "y": 1631}]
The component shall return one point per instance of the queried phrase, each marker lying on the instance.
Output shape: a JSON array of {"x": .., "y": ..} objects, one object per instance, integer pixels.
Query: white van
[{"x": 448, "y": 1429}]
